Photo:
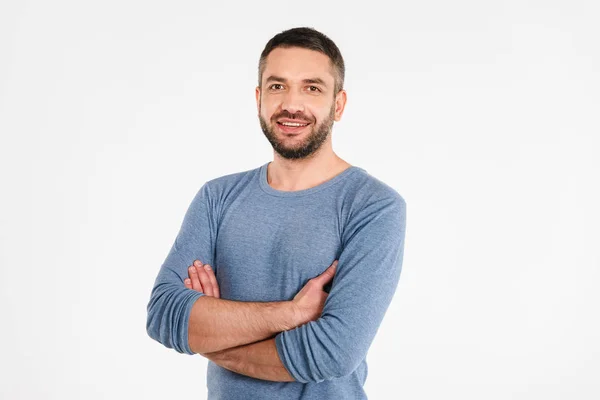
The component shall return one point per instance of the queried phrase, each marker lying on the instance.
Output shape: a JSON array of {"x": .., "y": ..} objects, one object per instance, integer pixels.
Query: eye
[
  {"x": 275, "y": 84},
  {"x": 316, "y": 89}
]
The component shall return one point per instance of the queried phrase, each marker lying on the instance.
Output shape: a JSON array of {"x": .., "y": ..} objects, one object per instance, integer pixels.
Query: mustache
[{"x": 286, "y": 114}]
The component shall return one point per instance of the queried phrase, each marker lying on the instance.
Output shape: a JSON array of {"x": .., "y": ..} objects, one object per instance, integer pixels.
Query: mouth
[{"x": 292, "y": 128}]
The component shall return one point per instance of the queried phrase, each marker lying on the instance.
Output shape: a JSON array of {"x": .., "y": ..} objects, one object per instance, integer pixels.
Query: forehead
[{"x": 296, "y": 63}]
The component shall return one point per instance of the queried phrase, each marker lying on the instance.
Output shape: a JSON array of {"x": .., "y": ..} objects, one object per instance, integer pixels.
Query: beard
[{"x": 313, "y": 141}]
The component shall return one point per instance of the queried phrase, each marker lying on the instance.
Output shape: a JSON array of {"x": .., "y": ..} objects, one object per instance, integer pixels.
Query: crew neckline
[{"x": 295, "y": 193}]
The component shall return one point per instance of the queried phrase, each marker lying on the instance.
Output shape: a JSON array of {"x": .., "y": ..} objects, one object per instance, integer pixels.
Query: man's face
[{"x": 298, "y": 88}]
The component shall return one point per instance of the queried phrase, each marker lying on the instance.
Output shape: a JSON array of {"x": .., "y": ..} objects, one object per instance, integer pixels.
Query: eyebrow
[{"x": 318, "y": 81}]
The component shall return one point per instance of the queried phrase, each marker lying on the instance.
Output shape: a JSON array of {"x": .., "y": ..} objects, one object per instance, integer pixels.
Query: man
[{"x": 281, "y": 275}]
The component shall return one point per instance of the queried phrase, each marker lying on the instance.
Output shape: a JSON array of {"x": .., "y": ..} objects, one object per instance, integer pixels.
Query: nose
[{"x": 292, "y": 102}]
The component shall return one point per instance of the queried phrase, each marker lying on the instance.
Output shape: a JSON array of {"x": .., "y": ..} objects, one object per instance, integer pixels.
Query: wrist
[{"x": 291, "y": 316}]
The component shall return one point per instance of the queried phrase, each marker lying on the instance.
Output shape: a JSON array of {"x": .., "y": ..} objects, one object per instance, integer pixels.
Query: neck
[{"x": 292, "y": 175}]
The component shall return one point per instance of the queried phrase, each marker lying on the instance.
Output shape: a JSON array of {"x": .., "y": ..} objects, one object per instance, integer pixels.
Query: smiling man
[
  {"x": 281, "y": 275},
  {"x": 297, "y": 105}
]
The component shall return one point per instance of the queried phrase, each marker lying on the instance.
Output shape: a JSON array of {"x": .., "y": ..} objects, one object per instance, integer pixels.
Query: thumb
[{"x": 328, "y": 274}]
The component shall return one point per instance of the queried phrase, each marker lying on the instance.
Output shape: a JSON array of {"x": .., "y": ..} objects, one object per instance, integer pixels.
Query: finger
[
  {"x": 213, "y": 280},
  {"x": 194, "y": 278},
  {"x": 187, "y": 282},
  {"x": 196, "y": 266},
  {"x": 327, "y": 275},
  {"x": 205, "y": 281}
]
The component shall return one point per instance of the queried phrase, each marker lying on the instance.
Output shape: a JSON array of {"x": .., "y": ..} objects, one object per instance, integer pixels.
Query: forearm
[
  {"x": 257, "y": 360},
  {"x": 217, "y": 324}
]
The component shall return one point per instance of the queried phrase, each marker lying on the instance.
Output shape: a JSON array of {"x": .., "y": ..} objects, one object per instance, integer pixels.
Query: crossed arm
[{"x": 259, "y": 359}]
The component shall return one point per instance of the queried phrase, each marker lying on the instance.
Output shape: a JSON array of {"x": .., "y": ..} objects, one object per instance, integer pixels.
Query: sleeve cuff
[
  {"x": 282, "y": 356},
  {"x": 186, "y": 322}
]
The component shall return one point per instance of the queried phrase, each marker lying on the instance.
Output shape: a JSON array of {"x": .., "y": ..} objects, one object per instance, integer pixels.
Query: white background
[{"x": 484, "y": 115}]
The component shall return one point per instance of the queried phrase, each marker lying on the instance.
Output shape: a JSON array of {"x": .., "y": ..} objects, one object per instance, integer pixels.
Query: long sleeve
[
  {"x": 170, "y": 302},
  {"x": 366, "y": 279}
]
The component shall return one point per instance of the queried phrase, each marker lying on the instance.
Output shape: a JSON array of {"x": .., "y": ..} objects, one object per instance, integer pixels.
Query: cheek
[
  {"x": 266, "y": 109},
  {"x": 320, "y": 114}
]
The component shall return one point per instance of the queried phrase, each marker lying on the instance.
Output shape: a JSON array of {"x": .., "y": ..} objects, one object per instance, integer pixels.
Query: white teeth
[{"x": 292, "y": 124}]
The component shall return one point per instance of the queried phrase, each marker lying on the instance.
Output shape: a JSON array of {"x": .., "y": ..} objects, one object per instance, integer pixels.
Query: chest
[{"x": 268, "y": 253}]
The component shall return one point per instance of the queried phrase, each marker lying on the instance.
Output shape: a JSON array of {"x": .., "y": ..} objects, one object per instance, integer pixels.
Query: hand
[
  {"x": 202, "y": 279},
  {"x": 309, "y": 301}
]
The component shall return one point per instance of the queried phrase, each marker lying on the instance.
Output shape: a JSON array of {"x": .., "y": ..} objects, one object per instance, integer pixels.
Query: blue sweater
[{"x": 264, "y": 245}]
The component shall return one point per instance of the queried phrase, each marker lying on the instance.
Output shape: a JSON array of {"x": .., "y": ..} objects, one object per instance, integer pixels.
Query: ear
[
  {"x": 257, "y": 94},
  {"x": 340, "y": 104}
]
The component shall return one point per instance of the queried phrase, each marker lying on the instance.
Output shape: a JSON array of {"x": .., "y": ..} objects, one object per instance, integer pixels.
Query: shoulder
[
  {"x": 373, "y": 206},
  {"x": 369, "y": 190},
  {"x": 225, "y": 184}
]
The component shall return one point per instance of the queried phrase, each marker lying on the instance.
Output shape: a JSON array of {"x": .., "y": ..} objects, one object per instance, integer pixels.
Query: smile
[
  {"x": 292, "y": 124},
  {"x": 291, "y": 127}
]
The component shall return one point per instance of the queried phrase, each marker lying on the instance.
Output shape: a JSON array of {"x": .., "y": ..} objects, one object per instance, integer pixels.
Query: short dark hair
[{"x": 307, "y": 38}]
